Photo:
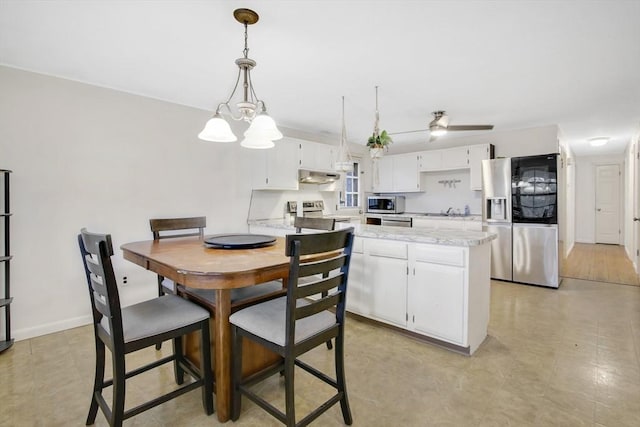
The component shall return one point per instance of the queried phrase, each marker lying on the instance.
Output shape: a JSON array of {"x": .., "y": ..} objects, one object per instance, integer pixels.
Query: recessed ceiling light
[{"x": 597, "y": 142}]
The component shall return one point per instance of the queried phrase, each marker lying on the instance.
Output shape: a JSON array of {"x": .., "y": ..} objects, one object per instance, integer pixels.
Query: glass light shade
[
  {"x": 439, "y": 131},
  {"x": 217, "y": 130},
  {"x": 256, "y": 143},
  {"x": 343, "y": 166},
  {"x": 597, "y": 142},
  {"x": 263, "y": 127}
]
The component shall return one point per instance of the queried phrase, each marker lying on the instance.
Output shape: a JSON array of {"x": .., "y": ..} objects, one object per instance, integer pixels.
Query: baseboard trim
[{"x": 49, "y": 328}]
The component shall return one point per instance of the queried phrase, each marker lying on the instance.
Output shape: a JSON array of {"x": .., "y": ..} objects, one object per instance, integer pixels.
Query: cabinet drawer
[
  {"x": 440, "y": 255},
  {"x": 386, "y": 248},
  {"x": 358, "y": 245}
]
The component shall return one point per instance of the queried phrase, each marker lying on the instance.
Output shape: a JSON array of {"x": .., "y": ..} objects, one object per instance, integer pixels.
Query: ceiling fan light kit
[
  {"x": 439, "y": 126},
  {"x": 262, "y": 129}
]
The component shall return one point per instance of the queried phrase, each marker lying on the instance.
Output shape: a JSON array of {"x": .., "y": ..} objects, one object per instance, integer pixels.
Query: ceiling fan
[{"x": 440, "y": 126}]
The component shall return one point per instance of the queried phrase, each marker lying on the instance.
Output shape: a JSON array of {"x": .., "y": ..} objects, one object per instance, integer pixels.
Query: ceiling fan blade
[
  {"x": 408, "y": 131},
  {"x": 470, "y": 127},
  {"x": 432, "y": 138}
]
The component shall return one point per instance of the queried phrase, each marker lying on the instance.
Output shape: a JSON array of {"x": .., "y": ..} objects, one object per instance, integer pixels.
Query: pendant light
[
  {"x": 344, "y": 162},
  {"x": 378, "y": 141},
  {"x": 262, "y": 130}
]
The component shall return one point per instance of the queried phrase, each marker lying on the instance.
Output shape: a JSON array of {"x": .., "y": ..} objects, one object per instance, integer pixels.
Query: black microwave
[{"x": 385, "y": 204}]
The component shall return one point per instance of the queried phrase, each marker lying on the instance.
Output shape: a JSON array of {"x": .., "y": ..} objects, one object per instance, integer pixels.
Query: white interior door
[{"x": 608, "y": 204}]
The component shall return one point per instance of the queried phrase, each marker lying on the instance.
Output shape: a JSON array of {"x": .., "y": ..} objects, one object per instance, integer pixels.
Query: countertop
[
  {"x": 417, "y": 215},
  {"x": 414, "y": 235}
]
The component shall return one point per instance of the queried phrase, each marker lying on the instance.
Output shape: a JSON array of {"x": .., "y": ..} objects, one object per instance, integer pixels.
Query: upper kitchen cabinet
[
  {"x": 455, "y": 158},
  {"x": 430, "y": 160},
  {"x": 439, "y": 160},
  {"x": 478, "y": 153},
  {"x": 275, "y": 168},
  {"x": 315, "y": 156},
  {"x": 467, "y": 157},
  {"x": 397, "y": 174}
]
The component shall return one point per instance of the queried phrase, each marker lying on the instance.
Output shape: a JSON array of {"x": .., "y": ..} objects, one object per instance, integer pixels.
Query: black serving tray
[{"x": 239, "y": 241}]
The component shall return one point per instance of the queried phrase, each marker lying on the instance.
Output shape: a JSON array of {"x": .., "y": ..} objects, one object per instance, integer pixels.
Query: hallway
[{"x": 600, "y": 263}]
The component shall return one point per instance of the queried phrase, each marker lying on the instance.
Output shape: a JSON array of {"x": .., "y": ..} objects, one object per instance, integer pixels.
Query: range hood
[{"x": 316, "y": 177}]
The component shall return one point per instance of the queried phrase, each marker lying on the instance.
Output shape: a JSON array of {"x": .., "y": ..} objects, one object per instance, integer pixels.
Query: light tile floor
[{"x": 567, "y": 357}]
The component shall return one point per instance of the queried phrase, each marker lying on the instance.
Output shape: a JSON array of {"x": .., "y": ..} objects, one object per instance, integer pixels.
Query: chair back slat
[
  {"x": 159, "y": 225},
  {"x": 97, "y": 250},
  {"x": 322, "y": 285},
  {"x": 312, "y": 268},
  {"x": 327, "y": 224},
  {"x": 339, "y": 244},
  {"x": 318, "y": 306},
  {"x": 318, "y": 242}
]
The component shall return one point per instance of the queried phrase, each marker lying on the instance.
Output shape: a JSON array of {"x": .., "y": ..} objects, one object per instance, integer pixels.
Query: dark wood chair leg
[
  {"x": 341, "y": 380},
  {"x": 236, "y": 366},
  {"x": 289, "y": 390},
  {"x": 178, "y": 361},
  {"x": 119, "y": 390},
  {"x": 207, "y": 375},
  {"x": 97, "y": 382},
  {"x": 160, "y": 293}
]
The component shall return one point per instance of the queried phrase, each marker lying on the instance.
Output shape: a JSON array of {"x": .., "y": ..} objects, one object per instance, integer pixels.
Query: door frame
[
  {"x": 621, "y": 198},
  {"x": 636, "y": 204}
]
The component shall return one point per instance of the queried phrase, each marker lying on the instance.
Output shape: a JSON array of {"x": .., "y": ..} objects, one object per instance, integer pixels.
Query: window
[{"x": 351, "y": 191}]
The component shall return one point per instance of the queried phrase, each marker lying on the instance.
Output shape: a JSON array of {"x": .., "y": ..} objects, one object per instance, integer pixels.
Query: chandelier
[{"x": 262, "y": 130}]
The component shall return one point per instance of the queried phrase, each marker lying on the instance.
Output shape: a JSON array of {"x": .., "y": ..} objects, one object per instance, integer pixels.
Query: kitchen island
[{"x": 432, "y": 284}]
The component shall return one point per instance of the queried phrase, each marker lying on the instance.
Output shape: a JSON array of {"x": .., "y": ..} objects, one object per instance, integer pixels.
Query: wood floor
[{"x": 600, "y": 263}]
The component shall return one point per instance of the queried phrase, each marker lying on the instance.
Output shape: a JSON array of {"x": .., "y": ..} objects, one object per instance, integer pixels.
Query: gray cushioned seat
[
  {"x": 240, "y": 294},
  {"x": 267, "y": 320},
  {"x": 156, "y": 316}
]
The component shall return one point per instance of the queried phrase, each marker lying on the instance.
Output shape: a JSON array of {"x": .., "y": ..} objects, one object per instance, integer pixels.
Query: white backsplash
[
  {"x": 441, "y": 196},
  {"x": 268, "y": 204}
]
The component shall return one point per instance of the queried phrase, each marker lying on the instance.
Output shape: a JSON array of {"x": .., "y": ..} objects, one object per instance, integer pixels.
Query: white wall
[
  {"x": 84, "y": 156},
  {"x": 586, "y": 191},
  {"x": 439, "y": 197}
]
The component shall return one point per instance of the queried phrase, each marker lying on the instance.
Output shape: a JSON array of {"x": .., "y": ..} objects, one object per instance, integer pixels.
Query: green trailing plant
[{"x": 379, "y": 141}]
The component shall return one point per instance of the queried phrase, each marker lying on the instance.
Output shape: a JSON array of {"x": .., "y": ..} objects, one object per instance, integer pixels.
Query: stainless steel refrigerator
[{"x": 521, "y": 206}]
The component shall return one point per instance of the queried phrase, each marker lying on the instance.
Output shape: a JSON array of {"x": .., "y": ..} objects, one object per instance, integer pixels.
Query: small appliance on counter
[
  {"x": 385, "y": 204},
  {"x": 311, "y": 209}
]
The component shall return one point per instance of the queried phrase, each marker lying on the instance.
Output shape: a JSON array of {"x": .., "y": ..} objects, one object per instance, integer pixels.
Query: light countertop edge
[{"x": 438, "y": 236}]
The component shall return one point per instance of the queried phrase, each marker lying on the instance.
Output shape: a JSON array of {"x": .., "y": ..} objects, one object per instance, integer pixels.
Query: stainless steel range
[{"x": 312, "y": 209}]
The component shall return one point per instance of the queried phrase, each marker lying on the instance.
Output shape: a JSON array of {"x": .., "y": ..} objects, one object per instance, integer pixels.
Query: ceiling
[{"x": 513, "y": 64}]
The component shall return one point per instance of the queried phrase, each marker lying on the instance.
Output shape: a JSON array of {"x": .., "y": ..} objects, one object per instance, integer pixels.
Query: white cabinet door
[
  {"x": 315, "y": 156},
  {"x": 406, "y": 177},
  {"x": 388, "y": 280},
  {"x": 436, "y": 298},
  {"x": 430, "y": 161},
  {"x": 477, "y": 153},
  {"x": 397, "y": 173},
  {"x": 382, "y": 181},
  {"x": 358, "y": 289},
  {"x": 455, "y": 158},
  {"x": 275, "y": 168}
]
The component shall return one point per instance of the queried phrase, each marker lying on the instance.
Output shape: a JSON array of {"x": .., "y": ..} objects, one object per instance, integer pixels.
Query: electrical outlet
[{"x": 124, "y": 280}]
